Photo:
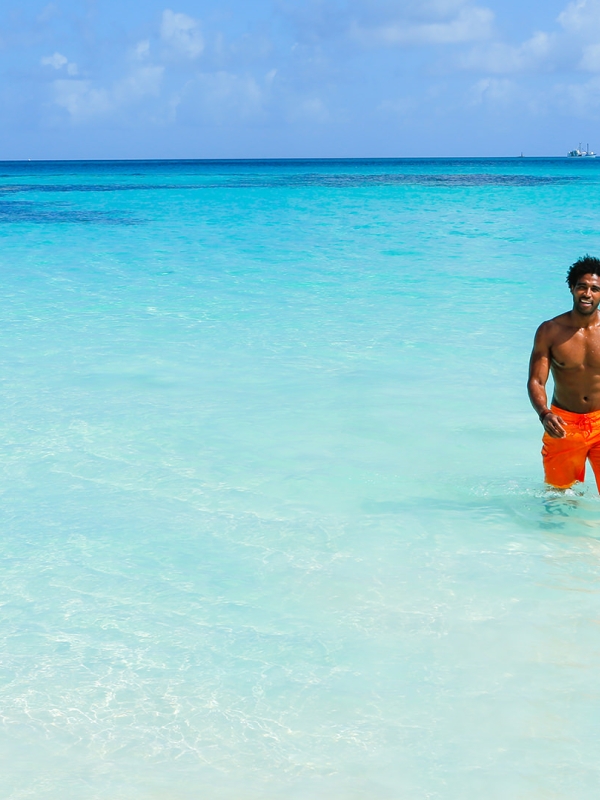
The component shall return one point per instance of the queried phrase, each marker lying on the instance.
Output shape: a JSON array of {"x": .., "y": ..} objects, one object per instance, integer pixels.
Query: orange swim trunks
[{"x": 564, "y": 459}]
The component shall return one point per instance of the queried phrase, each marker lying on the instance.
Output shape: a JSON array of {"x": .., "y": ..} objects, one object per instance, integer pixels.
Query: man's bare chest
[{"x": 581, "y": 351}]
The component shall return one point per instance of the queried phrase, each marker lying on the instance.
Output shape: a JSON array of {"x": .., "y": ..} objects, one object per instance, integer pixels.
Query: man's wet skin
[{"x": 568, "y": 346}]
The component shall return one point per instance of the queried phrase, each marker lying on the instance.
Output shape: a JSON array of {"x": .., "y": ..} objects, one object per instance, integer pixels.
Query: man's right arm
[{"x": 539, "y": 370}]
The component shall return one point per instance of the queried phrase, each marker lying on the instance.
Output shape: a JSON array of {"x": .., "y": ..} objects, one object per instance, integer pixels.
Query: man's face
[{"x": 586, "y": 294}]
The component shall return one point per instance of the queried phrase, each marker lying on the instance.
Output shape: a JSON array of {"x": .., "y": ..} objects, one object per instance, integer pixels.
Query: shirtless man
[{"x": 569, "y": 346}]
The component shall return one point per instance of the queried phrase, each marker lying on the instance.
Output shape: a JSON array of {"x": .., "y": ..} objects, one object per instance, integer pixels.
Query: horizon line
[{"x": 286, "y": 158}]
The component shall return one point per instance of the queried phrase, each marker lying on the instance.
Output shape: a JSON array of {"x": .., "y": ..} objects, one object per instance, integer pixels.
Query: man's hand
[{"x": 554, "y": 426}]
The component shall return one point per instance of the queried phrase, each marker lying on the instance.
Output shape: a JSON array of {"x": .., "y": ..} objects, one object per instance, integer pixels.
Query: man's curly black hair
[{"x": 581, "y": 267}]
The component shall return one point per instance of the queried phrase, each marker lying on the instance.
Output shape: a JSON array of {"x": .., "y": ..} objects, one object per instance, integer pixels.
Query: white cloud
[
  {"x": 498, "y": 57},
  {"x": 181, "y": 34},
  {"x": 582, "y": 18},
  {"x": 471, "y": 23},
  {"x": 581, "y": 22},
  {"x": 57, "y": 61},
  {"x": 391, "y": 22},
  {"x": 142, "y": 82},
  {"x": 579, "y": 99},
  {"x": 82, "y": 100},
  {"x": 590, "y": 59},
  {"x": 223, "y": 93},
  {"x": 492, "y": 90},
  {"x": 575, "y": 45},
  {"x": 310, "y": 109},
  {"x": 142, "y": 50}
]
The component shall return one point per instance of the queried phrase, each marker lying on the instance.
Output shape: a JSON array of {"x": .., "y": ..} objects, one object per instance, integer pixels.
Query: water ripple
[{"x": 22, "y": 211}]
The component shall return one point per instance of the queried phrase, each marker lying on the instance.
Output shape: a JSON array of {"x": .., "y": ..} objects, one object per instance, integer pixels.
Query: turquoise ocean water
[{"x": 271, "y": 503}]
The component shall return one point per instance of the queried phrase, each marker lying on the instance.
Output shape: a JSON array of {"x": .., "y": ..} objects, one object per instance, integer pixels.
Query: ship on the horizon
[{"x": 579, "y": 153}]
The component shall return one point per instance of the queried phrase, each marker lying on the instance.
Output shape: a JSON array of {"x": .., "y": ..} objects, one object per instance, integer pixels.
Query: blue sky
[{"x": 298, "y": 78}]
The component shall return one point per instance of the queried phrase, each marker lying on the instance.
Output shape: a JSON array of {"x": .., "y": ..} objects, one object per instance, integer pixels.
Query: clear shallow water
[{"x": 271, "y": 501}]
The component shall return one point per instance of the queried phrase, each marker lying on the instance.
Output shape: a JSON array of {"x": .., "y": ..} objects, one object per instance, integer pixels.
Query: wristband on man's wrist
[{"x": 543, "y": 414}]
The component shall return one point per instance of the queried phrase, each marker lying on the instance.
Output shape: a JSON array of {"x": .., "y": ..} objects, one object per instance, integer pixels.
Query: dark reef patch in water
[
  {"x": 339, "y": 180},
  {"x": 22, "y": 211}
]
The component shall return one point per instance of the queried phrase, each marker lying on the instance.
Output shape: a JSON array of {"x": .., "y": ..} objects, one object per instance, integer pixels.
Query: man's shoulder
[
  {"x": 561, "y": 321},
  {"x": 552, "y": 327}
]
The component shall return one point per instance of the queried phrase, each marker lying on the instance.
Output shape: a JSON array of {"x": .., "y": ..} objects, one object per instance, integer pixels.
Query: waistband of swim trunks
[{"x": 572, "y": 416}]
